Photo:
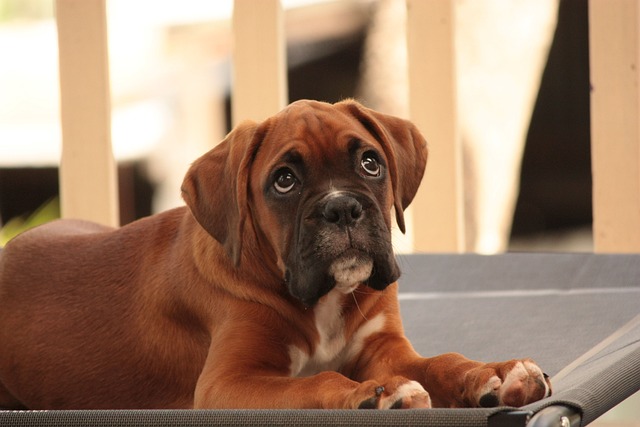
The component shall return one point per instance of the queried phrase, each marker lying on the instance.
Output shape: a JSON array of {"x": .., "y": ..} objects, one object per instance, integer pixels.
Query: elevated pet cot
[{"x": 577, "y": 315}]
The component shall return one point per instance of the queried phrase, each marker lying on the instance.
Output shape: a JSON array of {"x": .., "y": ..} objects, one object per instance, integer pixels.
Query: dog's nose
[{"x": 343, "y": 210}]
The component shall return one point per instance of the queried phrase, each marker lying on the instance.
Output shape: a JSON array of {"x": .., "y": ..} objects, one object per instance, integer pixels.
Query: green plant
[
  {"x": 49, "y": 211},
  {"x": 25, "y": 10}
]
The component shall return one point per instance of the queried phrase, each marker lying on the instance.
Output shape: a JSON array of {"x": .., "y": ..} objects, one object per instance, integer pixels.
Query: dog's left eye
[
  {"x": 370, "y": 164},
  {"x": 285, "y": 181}
]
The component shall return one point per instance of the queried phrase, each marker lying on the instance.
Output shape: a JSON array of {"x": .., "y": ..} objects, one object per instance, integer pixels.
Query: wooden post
[
  {"x": 614, "y": 34},
  {"x": 259, "y": 60},
  {"x": 88, "y": 172},
  {"x": 438, "y": 215}
]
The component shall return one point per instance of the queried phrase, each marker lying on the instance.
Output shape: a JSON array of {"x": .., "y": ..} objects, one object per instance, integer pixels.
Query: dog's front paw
[
  {"x": 512, "y": 383},
  {"x": 398, "y": 393}
]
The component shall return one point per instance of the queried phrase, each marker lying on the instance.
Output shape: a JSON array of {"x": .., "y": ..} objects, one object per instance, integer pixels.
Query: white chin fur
[{"x": 350, "y": 272}]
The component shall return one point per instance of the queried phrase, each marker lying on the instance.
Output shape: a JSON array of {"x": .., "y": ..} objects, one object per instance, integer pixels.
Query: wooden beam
[
  {"x": 438, "y": 215},
  {"x": 259, "y": 60},
  {"x": 614, "y": 34},
  {"x": 88, "y": 172}
]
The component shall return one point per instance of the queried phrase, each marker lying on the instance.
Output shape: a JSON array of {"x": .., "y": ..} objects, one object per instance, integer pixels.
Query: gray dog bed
[{"x": 577, "y": 315}]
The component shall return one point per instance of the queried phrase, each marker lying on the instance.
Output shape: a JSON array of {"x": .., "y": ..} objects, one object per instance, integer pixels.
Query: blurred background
[{"x": 523, "y": 80}]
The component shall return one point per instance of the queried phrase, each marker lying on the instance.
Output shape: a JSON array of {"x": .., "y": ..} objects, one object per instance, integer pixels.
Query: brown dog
[{"x": 276, "y": 288}]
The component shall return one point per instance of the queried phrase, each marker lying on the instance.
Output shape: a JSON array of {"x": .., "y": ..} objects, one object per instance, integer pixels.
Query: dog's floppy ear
[
  {"x": 404, "y": 147},
  {"x": 216, "y": 185}
]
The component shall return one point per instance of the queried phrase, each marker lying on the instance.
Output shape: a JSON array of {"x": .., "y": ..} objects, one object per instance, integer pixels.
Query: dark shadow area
[{"x": 555, "y": 189}]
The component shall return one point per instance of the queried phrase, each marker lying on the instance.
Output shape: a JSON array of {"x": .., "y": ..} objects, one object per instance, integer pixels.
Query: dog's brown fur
[{"x": 223, "y": 303}]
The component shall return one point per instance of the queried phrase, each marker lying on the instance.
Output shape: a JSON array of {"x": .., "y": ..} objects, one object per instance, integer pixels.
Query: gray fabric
[
  {"x": 602, "y": 380},
  {"x": 552, "y": 307},
  {"x": 197, "y": 418},
  {"x": 472, "y": 272}
]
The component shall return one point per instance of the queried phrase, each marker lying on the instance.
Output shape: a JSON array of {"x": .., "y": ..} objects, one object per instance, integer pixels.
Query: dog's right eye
[{"x": 285, "y": 181}]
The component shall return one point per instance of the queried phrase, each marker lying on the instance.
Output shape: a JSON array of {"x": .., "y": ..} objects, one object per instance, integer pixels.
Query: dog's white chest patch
[{"x": 332, "y": 350}]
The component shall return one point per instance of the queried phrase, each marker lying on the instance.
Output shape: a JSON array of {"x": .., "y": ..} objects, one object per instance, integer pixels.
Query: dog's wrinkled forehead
[{"x": 313, "y": 130}]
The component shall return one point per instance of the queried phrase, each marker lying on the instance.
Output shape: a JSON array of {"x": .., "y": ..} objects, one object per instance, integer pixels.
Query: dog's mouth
[
  {"x": 351, "y": 269},
  {"x": 343, "y": 274}
]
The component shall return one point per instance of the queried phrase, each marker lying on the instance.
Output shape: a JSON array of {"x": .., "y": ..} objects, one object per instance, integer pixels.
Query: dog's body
[{"x": 275, "y": 288}]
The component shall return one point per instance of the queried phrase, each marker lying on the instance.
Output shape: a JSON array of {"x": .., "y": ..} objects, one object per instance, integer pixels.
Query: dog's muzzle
[{"x": 342, "y": 242}]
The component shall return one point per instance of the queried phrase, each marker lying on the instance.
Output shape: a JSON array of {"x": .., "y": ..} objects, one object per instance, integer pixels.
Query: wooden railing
[
  {"x": 88, "y": 171},
  {"x": 614, "y": 38}
]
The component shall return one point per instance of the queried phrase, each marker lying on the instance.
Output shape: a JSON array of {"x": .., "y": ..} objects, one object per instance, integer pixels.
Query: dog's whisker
[{"x": 358, "y": 305}]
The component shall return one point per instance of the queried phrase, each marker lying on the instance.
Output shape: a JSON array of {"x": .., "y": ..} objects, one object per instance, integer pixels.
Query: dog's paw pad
[
  {"x": 372, "y": 403},
  {"x": 489, "y": 400},
  {"x": 488, "y": 394},
  {"x": 397, "y": 404}
]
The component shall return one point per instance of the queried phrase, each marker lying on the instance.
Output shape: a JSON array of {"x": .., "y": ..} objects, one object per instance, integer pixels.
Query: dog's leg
[
  {"x": 327, "y": 390},
  {"x": 256, "y": 372},
  {"x": 451, "y": 379},
  {"x": 456, "y": 381}
]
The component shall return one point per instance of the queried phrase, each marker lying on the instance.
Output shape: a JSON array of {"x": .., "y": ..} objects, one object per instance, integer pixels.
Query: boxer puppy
[{"x": 274, "y": 288}]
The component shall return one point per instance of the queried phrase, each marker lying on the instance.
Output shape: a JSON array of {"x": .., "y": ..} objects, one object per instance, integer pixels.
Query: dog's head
[{"x": 315, "y": 185}]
